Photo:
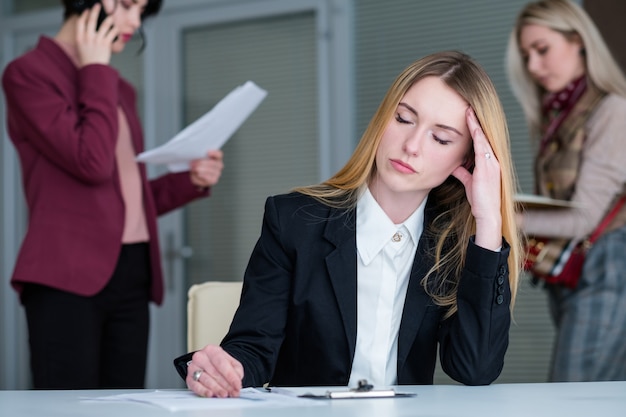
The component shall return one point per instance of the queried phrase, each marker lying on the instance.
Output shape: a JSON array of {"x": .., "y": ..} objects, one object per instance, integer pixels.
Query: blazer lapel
[
  {"x": 342, "y": 269},
  {"x": 416, "y": 300},
  {"x": 341, "y": 263}
]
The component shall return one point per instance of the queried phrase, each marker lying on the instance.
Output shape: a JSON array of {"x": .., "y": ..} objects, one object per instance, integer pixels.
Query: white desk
[{"x": 599, "y": 399}]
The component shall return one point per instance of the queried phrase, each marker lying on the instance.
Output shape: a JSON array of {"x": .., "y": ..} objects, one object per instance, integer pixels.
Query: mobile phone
[{"x": 80, "y": 6}]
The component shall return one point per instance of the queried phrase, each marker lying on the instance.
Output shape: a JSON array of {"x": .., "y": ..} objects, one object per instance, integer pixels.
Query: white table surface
[{"x": 584, "y": 399}]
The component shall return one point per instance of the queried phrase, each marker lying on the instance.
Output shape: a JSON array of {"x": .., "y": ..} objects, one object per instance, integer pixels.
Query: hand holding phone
[
  {"x": 94, "y": 45},
  {"x": 80, "y": 6}
]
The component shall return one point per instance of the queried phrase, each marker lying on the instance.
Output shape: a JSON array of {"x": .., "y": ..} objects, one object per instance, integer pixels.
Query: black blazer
[{"x": 296, "y": 323}]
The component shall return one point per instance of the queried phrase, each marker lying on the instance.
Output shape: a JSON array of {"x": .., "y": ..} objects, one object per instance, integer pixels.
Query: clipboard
[
  {"x": 363, "y": 390},
  {"x": 353, "y": 394}
]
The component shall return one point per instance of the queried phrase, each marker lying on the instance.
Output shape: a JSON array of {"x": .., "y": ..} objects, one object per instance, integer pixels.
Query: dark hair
[{"x": 72, "y": 7}]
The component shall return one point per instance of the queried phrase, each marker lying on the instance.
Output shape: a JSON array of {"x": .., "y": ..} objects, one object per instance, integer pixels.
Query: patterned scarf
[
  {"x": 557, "y": 106},
  {"x": 565, "y": 114}
]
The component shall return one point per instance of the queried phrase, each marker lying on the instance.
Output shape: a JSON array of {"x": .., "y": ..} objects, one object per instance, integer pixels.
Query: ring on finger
[
  {"x": 487, "y": 155},
  {"x": 196, "y": 374}
]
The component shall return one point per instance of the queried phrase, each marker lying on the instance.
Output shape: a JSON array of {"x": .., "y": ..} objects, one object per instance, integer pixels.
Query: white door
[{"x": 200, "y": 53}]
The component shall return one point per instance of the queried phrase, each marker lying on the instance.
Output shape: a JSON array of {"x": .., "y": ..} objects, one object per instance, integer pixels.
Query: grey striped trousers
[{"x": 591, "y": 320}]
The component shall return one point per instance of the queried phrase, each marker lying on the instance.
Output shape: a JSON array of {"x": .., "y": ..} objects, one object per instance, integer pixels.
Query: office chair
[{"x": 210, "y": 309}]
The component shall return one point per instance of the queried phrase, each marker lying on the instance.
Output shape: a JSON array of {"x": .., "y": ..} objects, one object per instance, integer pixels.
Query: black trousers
[{"x": 79, "y": 342}]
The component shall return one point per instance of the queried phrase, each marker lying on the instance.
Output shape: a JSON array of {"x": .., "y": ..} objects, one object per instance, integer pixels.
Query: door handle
[{"x": 174, "y": 253}]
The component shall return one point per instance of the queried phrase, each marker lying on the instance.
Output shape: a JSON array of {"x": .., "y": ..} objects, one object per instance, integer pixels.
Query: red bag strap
[{"x": 609, "y": 217}]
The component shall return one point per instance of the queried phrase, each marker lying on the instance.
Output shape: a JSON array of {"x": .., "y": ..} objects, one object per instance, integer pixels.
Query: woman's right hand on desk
[{"x": 214, "y": 373}]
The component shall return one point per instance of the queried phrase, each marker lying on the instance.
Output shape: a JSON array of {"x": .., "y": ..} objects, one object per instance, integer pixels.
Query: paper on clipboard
[
  {"x": 210, "y": 131},
  {"x": 364, "y": 390},
  {"x": 354, "y": 394}
]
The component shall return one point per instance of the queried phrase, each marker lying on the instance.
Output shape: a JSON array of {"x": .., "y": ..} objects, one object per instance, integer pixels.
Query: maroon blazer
[{"x": 63, "y": 122}]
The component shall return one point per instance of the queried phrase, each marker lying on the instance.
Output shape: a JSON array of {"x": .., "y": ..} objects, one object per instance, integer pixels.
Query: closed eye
[
  {"x": 441, "y": 141},
  {"x": 401, "y": 120}
]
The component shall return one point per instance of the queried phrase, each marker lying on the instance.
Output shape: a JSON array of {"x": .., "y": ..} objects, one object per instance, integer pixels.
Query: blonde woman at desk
[{"x": 411, "y": 246}]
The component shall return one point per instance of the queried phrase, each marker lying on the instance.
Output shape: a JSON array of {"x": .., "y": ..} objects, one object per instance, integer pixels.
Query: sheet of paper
[
  {"x": 210, "y": 131},
  {"x": 178, "y": 400}
]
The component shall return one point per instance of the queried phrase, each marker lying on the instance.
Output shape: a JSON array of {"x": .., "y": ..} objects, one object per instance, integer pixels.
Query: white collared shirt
[{"x": 383, "y": 270}]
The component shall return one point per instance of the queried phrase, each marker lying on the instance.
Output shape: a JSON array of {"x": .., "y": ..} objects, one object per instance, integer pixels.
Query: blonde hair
[
  {"x": 455, "y": 222},
  {"x": 571, "y": 21}
]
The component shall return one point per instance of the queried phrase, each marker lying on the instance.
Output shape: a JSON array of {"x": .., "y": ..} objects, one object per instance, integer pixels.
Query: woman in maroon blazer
[{"x": 89, "y": 264}]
